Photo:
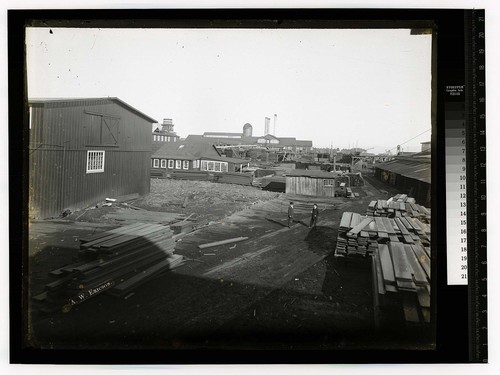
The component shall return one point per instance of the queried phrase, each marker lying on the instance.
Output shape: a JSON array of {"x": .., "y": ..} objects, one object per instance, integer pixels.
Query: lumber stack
[
  {"x": 192, "y": 175},
  {"x": 235, "y": 178},
  {"x": 116, "y": 262},
  {"x": 360, "y": 235},
  {"x": 401, "y": 282},
  {"x": 399, "y": 206}
]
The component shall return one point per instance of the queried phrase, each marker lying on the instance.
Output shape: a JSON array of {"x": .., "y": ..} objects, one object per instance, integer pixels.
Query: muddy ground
[{"x": 280, "y": 289}]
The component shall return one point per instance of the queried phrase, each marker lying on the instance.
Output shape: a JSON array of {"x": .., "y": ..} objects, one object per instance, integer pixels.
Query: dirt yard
[{"x": 280, "y": 289}]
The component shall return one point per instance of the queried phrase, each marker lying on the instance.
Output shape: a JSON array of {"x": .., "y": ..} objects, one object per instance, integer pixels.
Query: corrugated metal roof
[
  {"x": 186, "y": 150},
  {"x": 72, "y": 100},
  {"x": 312, "y": 174},
  {"x": 193, "y": 149},
  {"x": 415, "y": 168}
]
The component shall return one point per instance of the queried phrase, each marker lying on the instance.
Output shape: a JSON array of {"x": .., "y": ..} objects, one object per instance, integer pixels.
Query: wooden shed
[
  {"x": 82, "y": 151},
  {"x": 313, "y": 183}
]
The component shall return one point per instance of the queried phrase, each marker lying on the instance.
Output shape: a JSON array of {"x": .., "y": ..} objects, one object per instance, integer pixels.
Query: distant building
[
  {"x": 85, "y": 150},
  {"x": 411, "y": 174},
  {"x": 245, "y": 139},
  {"x": 164, "y": 134},
  {"x": 192, "y": 155},
  {"x": 425, "y": 146},
  {"x": 313, "y": 183}
]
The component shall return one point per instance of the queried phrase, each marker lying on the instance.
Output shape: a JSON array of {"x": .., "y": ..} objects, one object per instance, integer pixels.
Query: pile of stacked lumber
[
  {"x": 234, "y": 178},
  {"x": 192, "y": 175},
  {"x": 360, "y": 235},
  {"x": 398, "y": 206},
  {"x": 401, "y": 283},
  {"x": 116, "y": 262}
]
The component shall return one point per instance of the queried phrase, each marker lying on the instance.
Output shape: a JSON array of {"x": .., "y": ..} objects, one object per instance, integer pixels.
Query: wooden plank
[
  {"x": 410, "y": 308},
  {"x": 388, "y": 225},
  {"x": 379, "y": 274},
  {"x": 408, "y": 239},
  {"x": 417, "y": 270},
  {"x": 414, "y": 223},
  {"x": 406, "y": 285},
  {"x": 113, "y": 234},
  {"x": 109, "y": 232},
  {"x": 358, "y": 228},
  {"x": 151, "y": 228},
  {"x": 423, "y": 259},
  {"x": 407, "y": 224},
  {"x": 424, "y": 298},
  {"x": 401, "y": 226},
  {"x": 380, "y": 225},
  {"x": 356, "y": 218},
  {"x": 393, "y": 238},
  {"x": 223, "y": 242},
  {"x": 386, "y": 264},
  {"x": 402, "y": 269},
  {"x": 346, "y": 220}
]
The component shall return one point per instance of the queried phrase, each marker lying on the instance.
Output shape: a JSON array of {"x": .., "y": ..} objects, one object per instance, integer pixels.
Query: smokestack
[
  {"x": 275, "y": 121},
  {"x": 266, "y": 125}
]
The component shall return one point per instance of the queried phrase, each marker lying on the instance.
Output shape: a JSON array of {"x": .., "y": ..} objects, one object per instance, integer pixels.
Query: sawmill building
[{"x": 82, "y": 151}]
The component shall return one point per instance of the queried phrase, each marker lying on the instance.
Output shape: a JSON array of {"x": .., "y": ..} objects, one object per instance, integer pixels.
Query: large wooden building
[
  {"x": 191, "y": 155},
  {"x": 85, "y": 150},
  {"x": 410, "y": 174},
  {"x": 314, "y": 183}
]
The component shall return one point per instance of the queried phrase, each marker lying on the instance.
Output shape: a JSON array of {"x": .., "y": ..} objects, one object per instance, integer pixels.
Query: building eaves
[
  {"x": 105, "y": 99},
  {"x": 415, "y": 169}
]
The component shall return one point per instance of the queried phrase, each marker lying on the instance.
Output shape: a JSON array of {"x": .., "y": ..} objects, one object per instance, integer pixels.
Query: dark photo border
[{"x": 450, "y": 304}]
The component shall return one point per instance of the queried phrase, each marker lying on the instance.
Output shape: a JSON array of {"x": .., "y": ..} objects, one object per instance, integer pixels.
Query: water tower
[{"x": 247, "y": 130}]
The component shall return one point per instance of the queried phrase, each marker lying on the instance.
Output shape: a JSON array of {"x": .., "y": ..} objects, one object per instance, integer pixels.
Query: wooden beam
[{"x": 223, "y": 242}]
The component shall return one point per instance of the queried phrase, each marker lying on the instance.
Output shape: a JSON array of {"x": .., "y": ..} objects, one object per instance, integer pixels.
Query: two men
[{"x": 314, "y": 215}]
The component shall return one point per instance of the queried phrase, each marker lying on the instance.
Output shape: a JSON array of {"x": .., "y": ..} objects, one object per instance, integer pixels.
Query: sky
[{"x": 337, "y": 87}]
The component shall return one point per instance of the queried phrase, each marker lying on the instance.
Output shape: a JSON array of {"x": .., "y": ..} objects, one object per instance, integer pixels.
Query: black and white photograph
[
  {"x": 249, "y": 187},
  {"x": 229, "y": 188}
]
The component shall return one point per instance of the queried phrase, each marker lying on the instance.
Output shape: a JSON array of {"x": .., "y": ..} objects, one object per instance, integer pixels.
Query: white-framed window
[
  {"x": 178, "y": 164},
  {"x": 196, "y": 164},
  {"x": 95, "y": 161},
  {"x": 156, "y": 163},
  {"x": 328, "y": 182},
  {"x": 175, "y": 139},
  {"x": 185, "y": 164},
  {"x": 168, "y": 139},
  {"x": 274, "y": 141},
  {"x": 213, "y": 166},
  {"x": 163, "y": 163},
  {"x": 170, "y": 164}
]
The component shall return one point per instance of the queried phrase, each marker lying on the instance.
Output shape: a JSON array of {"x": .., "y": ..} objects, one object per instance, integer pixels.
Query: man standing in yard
[
  {"x": 314, "y": 216},
  {"x": 290, "y": 214}
]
